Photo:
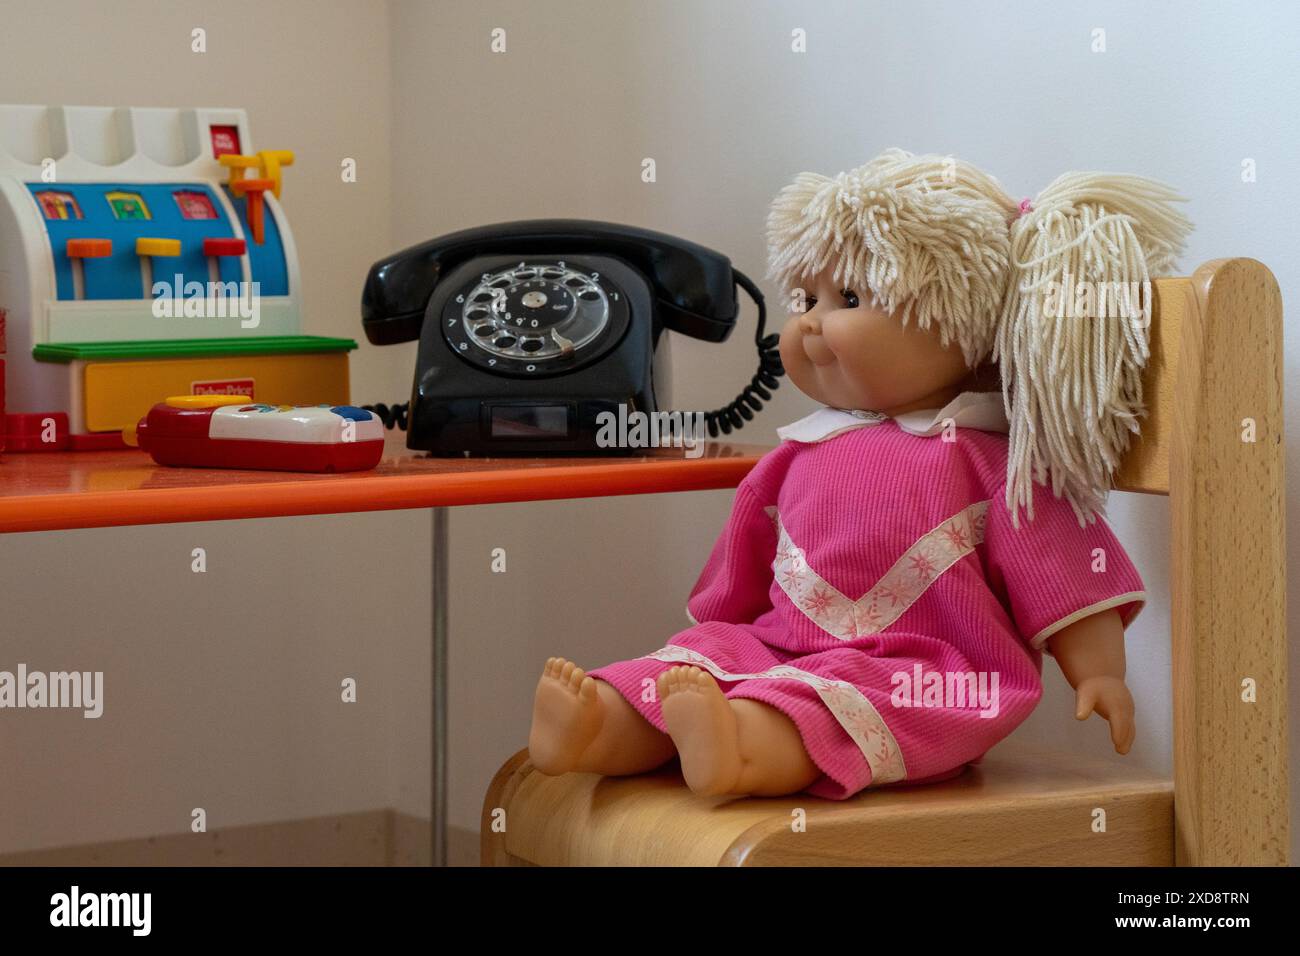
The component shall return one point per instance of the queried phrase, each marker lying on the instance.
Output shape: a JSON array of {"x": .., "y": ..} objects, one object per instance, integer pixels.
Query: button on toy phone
[{"x": 534, "y": 333}]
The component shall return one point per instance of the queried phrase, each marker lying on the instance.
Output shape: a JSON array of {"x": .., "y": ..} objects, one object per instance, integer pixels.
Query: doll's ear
[{"x": 1075, "y": 328}]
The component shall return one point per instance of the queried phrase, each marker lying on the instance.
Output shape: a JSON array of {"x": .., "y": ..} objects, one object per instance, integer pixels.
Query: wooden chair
[{"x": 1215, "y": 374}]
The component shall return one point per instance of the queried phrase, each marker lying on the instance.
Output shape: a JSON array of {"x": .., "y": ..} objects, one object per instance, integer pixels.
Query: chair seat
[{"x": 1016, "y": 807}]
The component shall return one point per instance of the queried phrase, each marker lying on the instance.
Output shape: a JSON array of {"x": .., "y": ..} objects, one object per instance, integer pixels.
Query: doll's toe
[{"x": 575, "y": 678}]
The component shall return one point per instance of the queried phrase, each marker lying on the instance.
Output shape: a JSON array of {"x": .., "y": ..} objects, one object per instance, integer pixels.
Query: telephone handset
[{"x": 530, "y": 330}]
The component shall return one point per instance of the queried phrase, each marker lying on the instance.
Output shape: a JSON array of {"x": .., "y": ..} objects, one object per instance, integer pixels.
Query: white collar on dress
[{"x": 982, "y": 410}]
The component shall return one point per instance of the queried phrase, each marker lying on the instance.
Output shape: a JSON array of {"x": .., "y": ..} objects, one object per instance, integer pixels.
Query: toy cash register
[{"x": 143, "y": 254}]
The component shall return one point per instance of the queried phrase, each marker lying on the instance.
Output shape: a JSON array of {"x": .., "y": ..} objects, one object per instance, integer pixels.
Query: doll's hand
[{"x": 1110, "y": 697}]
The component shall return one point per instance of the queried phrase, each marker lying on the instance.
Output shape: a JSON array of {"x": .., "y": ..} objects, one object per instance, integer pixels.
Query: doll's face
[{"x": 846, "y": 353}]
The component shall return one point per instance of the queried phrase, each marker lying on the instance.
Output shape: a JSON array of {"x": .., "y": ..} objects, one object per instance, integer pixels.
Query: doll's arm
[
  {"x": 1091, "y": 655},
  {"x": 734, "y": 585}
]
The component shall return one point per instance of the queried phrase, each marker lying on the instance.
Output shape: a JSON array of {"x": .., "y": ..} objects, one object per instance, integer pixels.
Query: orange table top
[{"x": 50, "y": 491}]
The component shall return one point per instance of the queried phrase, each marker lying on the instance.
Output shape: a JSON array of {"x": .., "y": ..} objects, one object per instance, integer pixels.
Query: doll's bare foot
[
  {"x": 703, "y": 728},
  {"x": 567, "y": 715}
]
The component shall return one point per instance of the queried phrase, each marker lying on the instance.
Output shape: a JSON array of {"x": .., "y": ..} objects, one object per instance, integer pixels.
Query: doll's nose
[{"x": 810, "y": 324}]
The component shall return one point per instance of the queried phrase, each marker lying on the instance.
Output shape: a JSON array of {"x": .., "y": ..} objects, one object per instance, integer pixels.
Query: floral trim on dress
[
  {"x": 909, "y": 577},
  {"x": 855, "y": 713}
]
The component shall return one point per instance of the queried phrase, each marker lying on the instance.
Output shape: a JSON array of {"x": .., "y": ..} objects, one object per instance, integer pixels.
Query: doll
[{"x": 877, "y": 606}]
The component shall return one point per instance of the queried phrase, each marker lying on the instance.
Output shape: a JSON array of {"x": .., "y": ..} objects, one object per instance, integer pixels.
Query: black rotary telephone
[{"x": 531, "y": 330}]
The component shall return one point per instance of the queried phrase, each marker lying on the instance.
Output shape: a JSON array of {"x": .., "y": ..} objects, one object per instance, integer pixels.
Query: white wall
[
  {"x": 222, "y": 687},
  {"x": 559, "y": 125}
]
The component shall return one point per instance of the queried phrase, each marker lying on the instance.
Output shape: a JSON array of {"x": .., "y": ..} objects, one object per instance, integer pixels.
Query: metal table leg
[{"x": 438, "y": 815}]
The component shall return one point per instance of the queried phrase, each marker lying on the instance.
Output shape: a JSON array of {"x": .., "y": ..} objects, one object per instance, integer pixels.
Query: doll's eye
[
  {"x": 850, "y": 298},
  {"x": 809, "y": 303}
]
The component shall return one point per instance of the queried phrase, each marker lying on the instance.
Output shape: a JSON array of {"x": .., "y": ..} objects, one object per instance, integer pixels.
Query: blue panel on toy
[
  {"x": 125, "y": 212},
  {"x": 265, "y": 261}
]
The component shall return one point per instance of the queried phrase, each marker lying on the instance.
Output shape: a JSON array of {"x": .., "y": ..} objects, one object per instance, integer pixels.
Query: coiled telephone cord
[
  {"x": 390, "y": 415},
  {"x": 750, "y": 401}
]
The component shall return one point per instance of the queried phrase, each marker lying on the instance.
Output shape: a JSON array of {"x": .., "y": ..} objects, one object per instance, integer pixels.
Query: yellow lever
[
  {"x": 237, "y": 163},
  {"x": 147, "y": 246},
  {"x": 269, "y": 162}
]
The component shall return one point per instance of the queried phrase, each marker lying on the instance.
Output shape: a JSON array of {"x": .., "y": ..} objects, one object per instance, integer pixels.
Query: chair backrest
[{"x": 1213, "y": 441}]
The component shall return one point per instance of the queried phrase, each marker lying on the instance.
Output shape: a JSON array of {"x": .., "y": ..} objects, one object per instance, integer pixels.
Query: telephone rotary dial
[{"x": 534, "y": 318}]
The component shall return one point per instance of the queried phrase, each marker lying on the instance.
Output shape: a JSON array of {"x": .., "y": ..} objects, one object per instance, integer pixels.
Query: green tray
[{"x": 190, "y": 348}]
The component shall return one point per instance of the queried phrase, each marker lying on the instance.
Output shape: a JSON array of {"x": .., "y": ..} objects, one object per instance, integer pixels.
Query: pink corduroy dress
[{"x": 869, "y": 585}]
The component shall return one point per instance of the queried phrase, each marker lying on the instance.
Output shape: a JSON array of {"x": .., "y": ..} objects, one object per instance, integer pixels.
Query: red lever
[
  {"x": 89, "y": 248},
  {"x": 224, "y": 246}
]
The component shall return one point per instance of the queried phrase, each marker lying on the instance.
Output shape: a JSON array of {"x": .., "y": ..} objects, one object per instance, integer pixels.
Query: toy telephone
[{"x": 529, "y": 331}]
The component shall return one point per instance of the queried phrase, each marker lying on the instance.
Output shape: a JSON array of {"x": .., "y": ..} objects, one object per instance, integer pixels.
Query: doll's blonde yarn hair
[{"x": 934, "y": 240}]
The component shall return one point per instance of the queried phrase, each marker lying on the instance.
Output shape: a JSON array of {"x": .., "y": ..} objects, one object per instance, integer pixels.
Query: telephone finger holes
[{"x": 535, "y": 316}]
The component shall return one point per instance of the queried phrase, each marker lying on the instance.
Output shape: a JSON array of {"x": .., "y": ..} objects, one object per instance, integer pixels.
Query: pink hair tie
[{"x": 1026, "y": 206}]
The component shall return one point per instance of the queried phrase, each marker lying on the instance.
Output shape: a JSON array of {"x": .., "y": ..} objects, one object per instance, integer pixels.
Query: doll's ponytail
[{"x": 1074, "y": 332}]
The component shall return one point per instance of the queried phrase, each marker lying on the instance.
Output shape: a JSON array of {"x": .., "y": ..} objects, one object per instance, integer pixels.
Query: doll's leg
[
  {"x": 731, "y": 746},
  {"x": 580, "y": 723}
]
